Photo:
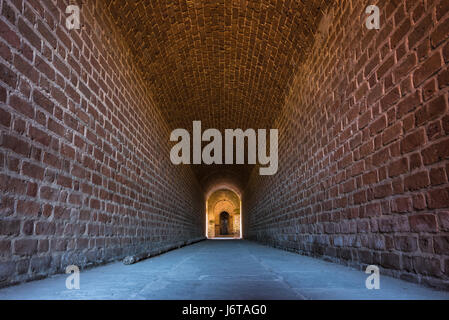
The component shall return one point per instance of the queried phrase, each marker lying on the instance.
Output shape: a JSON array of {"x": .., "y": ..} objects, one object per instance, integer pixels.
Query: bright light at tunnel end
[{"x": 223, "y": 199}]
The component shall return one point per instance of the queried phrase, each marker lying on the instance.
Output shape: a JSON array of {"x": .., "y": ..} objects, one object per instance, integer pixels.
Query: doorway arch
[{"x": 223, "y": 214}]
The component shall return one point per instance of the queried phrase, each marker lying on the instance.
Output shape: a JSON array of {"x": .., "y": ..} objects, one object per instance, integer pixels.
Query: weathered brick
[
  {"x": 42, "y": 101},
  {"x": 9, "y": 227},
  {"x": 441, "y": 244},
  {"x": 29, "y": 34},
  {"x": 5, "y": 118},
  {"x": 423, "y": 223},
  {"x": 413, "y": 140},
  {"x": 26, "y": 68},
  {"x": 404, "y": 68},
  {"x": 40, "y": 136},
  {"x": 5, "y": 248},
  {"x": 16, "y": 145},
  {"x": 390, "y": 260},
  {"x": 443, "y": 220},
  {"x": 403, "y": 204},
  {"x": 8, "y": 76},
  {"x": 440, "y": 34},
  {"x": 438, "y": 198},
  {"x": 390, "y": 99},
  {"x": 436, "y": 152},
  {"x": 427, "y": 266},
  {"x": 437, "y": 176},
  {"x": 392, "y": 133},
  {"x": 406, "y": 243},
  {"x": 398, "y": 167},
  {"x": 417, "y": 181},
  {"x": 429, "y": 67},
  {"x": 431, "y": 110},
  {"x": 10, "y": 36},
  {"x": 22, "y": 106},
  {"x": 25, "y": 246},
  {"x": 32, "y": 170},
  {"x": 28, "y": 208}
]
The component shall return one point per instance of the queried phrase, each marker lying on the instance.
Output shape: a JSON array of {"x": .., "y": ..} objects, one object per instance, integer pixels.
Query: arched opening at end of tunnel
[{"x": 223, "y": 215}]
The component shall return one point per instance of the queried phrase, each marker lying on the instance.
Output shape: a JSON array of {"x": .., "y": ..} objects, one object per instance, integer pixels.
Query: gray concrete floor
[{"x": 222, "y": 269}]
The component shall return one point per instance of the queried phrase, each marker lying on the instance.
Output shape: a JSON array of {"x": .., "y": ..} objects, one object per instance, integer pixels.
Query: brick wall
[
  {"x": 85, "y": 175},
  {"x": 364, "y": 146}
]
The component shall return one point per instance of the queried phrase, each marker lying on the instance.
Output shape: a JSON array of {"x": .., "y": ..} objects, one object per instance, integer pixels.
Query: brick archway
[{"x": 223, "y": 200}]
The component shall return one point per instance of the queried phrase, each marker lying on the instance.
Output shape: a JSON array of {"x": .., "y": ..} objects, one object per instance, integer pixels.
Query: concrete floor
[{"x": 222, "y": 269}]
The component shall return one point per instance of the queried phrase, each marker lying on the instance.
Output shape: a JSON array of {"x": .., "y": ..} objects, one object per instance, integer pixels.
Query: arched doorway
[
  {"x": 223, "y": 214},
  {"x": 224, "y": 223}
]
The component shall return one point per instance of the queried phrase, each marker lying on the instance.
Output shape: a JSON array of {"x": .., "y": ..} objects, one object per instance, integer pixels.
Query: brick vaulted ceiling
[{"x": 227, "y": 63}]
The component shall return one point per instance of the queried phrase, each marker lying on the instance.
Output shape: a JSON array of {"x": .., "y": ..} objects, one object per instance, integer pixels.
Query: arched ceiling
[{"x": 227, "y": 63}]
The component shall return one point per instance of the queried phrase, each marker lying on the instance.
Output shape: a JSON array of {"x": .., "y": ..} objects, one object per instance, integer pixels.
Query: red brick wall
[
  {"x": 85, "y": 174},
  {"x": 364, "y": 146}
]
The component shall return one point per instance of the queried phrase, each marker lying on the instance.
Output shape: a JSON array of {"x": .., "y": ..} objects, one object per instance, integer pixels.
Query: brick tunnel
[{"x": 87, "y": 113}]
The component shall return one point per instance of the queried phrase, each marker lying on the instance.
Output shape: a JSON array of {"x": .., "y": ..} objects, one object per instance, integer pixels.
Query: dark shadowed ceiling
[{"x": 227, "y": 63}]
